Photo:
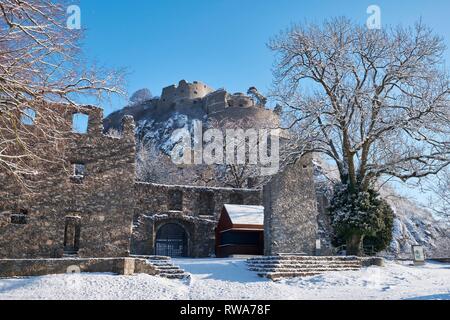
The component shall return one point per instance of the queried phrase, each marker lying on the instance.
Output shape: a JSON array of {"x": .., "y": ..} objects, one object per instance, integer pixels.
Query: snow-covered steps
[
  {"x": 278, "y": 267},
  {"x": 167, "y": 269}
]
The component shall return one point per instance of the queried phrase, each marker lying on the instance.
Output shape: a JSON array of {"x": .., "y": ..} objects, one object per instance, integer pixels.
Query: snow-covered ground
[{"x": 228, "y": 279}]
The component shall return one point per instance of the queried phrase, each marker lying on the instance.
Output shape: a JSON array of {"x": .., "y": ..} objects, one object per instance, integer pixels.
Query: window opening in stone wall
[
  {"x": 176, "y": 200},
  {"x": 80, "y": 123},
  {"x": 206, "y": 203},
  {"x": 72, "y": 231},
  {"x": 78, "y": 173},
  {"x": 21, "y": 217}
]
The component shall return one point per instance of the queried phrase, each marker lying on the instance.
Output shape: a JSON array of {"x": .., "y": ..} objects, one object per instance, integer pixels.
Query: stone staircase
[
  {"x": 279, "y": 267},
  {"x": 167, "y": 269}
]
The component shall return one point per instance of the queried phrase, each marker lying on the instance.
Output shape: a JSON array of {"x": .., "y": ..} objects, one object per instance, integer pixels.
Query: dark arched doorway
[{"x": 171, "y": 241}]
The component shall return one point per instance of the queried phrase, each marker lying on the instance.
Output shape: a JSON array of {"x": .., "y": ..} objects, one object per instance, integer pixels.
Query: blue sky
[{"x": 220, "y": 42}]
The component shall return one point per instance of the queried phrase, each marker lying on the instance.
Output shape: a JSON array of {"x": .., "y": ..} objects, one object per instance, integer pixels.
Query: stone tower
[{"x": 290, "y": 211}]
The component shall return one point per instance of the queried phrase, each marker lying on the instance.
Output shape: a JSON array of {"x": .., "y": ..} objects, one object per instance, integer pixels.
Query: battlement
[
  {"x": 77, "y": 121},
  {"x": 184, "y": 93},
  {"x": 200, "y": 94},
  {"x": 241, "y": 100}
]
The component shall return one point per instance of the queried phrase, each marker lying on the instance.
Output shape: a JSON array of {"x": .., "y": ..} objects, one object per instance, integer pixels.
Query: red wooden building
[{"x": 240, "y": 231}]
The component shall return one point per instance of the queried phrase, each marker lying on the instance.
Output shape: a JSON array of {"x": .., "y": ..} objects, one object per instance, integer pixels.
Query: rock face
[
  {"x": 417, "y": 226},
  {"x": 179, "y": 106},
  {"x": 290, "y": 211},
  {"x": 413, "y": 225}
]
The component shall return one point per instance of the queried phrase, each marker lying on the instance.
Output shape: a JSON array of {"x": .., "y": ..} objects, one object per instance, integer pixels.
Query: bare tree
[
  {"x": 250, "y": 173},
  {"x": 440, "y": 187},
  {"x": 40, "y": 64},
  {"x": 153, "y": 166},
  {"x": 376, "y": 102}
]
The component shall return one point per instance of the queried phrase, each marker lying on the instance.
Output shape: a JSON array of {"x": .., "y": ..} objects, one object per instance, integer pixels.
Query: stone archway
[{"x": 172, "y": 241}]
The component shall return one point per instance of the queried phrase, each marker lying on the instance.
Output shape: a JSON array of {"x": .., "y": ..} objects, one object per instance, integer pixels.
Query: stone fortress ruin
[{"x": 89, "y": 206}]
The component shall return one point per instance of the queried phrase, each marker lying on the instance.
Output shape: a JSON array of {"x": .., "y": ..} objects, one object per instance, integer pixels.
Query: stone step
[
  {"x": 301, "y": 258},
  {"x": 284, "y": 270},
  {"x": 172, "y": 267},
  {"x": 160, "y": 260},
  {"x": 174, "y": 271},
  {"x": 166, "y": 268},
  {"x": 289, "y": 266},
  {"x": 176, "y": 276},
  {"x": 160, "y": 264},
  {"x": 282, "y": 275},
  {"x": 305, "y": 267},
  {"x": 297, "y": 267},
  {"x": 156, "y": 258},
  {"x": 304, "y": 263}
]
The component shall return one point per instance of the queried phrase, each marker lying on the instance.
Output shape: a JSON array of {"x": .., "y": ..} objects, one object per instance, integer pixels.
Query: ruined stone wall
[
  {"x": 290, "y": 211},
  {"x": 40, "y": 267},
  {"x": 200, "y": 95},
  {"x": 184, "y": 93},
  {"x": 33, "y": 221},
  {"x": 152, "y": 211},
  {"x": 325, "y": 231}
]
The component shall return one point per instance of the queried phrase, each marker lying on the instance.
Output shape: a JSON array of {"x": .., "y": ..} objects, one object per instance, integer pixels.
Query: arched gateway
[{"x": 171, "y": 241}]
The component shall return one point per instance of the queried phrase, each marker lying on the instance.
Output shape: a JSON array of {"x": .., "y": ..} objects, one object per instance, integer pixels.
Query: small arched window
[
  {"x": 80, "y": 123},
  {"x": 28, "y": 117}
]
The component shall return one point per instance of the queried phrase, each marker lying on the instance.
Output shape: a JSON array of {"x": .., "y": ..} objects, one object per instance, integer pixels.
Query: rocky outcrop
[
  {"x": 180, "y": 107},
  {"x": 413, "y": 224}
]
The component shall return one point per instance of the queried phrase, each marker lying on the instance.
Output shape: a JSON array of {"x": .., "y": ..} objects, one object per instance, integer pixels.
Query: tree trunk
[{"x": 354, "y": 245}]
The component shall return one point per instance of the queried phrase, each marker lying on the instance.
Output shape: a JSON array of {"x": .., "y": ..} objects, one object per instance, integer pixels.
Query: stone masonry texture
[
  {"x": 290, "y": 211},
  {"x": 100, "y": 211}
]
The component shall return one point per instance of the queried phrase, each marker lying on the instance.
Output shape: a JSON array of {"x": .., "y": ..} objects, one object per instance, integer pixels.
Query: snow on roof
[{"x": 240, "y": 214}]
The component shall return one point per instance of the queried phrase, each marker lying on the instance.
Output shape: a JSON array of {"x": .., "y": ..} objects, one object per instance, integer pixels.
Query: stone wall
[
  {"x": 200, "y": 95},
  {"x": 104, "y": 213},
  {"x": 290, "y": 211},
  {"x": 152, "y": 211},
  {"x": 39, "y": 267},
  {"x": 184, "y": 93},
  {"x": 101, "y": 202},
  {"x": 325, "y": 231}
]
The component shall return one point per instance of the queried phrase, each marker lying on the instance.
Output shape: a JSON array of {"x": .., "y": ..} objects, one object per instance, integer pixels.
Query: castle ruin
[{"x": 89, "y": 205}]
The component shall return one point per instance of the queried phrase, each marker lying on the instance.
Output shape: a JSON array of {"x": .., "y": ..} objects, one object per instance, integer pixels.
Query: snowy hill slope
[
  {"x": 155, "y": 125},
  {"x": 413, "y": 225},
  {"x": 416, "y": 225}
]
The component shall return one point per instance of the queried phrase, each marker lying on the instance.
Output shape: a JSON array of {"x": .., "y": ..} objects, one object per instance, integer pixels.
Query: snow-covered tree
[
  {"x": 356, "y": 217},
  {"x": 249, "y": 174},
  {"x": 376, "y": 102},
  {"x": 154, "y": 166},
  {"x": 440, "y": 188}
]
